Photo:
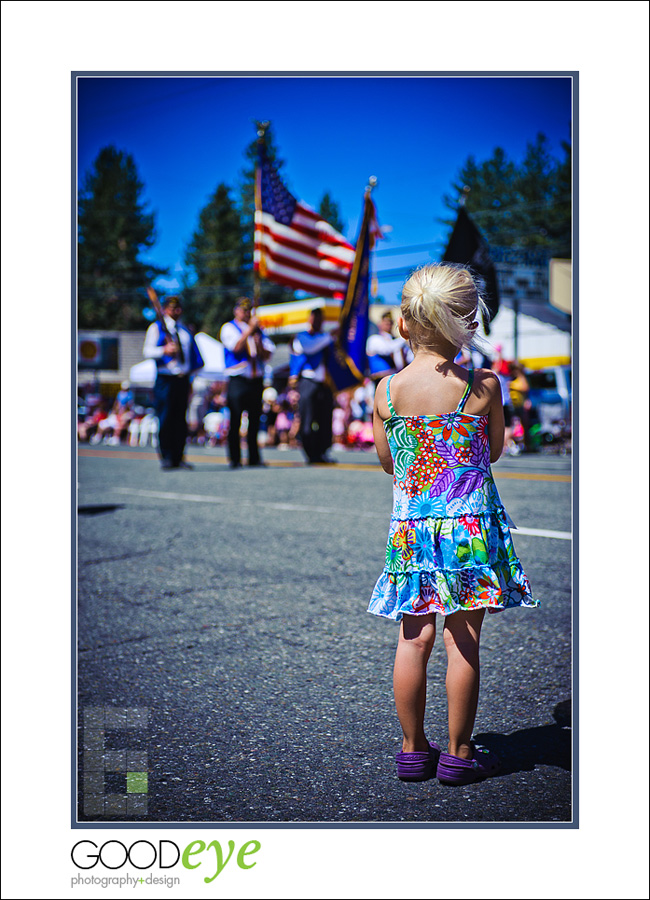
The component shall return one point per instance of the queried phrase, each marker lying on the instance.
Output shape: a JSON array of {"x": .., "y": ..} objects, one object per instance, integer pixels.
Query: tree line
[
  {"x": 526, "y": 206},
  {"x": 116, "y": 229}
]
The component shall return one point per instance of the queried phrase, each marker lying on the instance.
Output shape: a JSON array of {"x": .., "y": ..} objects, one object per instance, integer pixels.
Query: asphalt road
[{"x": 227, "y": 664}]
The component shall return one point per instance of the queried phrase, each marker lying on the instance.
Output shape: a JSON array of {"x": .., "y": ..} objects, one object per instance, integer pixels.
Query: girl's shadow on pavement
[{"x": 546, "y": 745}]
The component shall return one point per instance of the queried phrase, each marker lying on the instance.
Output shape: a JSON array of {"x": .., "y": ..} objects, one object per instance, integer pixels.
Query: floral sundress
[{"x": 449, "y": 545}]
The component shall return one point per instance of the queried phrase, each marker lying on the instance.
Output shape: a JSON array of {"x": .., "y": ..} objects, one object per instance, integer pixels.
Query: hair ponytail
[{"x": 442, "y": 300}]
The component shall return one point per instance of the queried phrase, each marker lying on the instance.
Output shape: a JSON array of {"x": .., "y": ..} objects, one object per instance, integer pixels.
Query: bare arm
[
  {"x": 381, "y": 412},
  {"x": 496, "y": 420}
]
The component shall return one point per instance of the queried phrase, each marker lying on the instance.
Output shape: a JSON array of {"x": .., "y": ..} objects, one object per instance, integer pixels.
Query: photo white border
[{"x": 43, "y": 43}]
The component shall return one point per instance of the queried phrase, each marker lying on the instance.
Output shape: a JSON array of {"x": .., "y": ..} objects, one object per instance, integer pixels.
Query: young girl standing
[{"x": 437, "y": 428}]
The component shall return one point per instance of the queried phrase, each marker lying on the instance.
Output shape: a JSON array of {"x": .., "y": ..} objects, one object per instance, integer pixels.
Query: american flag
[{"x": 294, "y": 246}]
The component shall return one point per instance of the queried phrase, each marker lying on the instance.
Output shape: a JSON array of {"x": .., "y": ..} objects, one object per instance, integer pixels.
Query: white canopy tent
[{"x": 144, "y": 373}]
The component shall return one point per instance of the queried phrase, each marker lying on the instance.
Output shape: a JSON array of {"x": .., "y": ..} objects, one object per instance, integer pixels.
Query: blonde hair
[{"x": 442, "y": 300}]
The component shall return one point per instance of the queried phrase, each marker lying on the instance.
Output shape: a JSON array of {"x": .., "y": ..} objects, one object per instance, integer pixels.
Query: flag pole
[
  {"x": 261, "y": 131},
  {"x": 364, "y": 241},
  {"x": 372, "y": 282},
  {"x": 365, "y": 221},
  {"x": 372, "y": 182}
]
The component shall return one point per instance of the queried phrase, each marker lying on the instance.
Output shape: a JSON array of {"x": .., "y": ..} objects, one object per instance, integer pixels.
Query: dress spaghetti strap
[
  {"x": 391, "y": 408},
  {"x": 467, "y": 391}
]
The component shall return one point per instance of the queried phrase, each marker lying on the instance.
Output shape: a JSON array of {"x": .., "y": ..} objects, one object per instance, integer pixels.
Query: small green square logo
[{"x": 137, "y": 782}]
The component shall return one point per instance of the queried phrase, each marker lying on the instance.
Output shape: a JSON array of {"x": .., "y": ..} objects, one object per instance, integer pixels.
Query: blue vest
[
  {"x": 381, "y": 365},
  {"x": 300, "y": 361},
  {"x": 230, "y": 357},
  {"x": 195, "y": 361}
]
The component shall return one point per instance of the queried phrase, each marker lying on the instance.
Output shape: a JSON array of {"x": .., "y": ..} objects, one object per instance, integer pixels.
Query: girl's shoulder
[
  {"x": 486, "y": 381},
  {"x": 486, "y": 392},
  {"x": 381, "y": 398}
]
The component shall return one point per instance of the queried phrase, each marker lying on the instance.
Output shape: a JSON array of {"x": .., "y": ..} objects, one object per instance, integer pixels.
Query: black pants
[
  {"x": 244, "y": 394},
  {"x": 315, "y": 406},
  {"x": 171, "y": 394}
]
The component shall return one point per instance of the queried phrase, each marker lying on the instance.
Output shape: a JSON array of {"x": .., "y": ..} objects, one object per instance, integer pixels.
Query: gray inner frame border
[{"x": 574, "y": 824}]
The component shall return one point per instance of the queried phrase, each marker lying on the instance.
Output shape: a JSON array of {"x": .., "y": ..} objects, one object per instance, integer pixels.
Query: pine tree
[
  {"x": 525, "y": 206},
  {"x": 215, "y": 257},
  {"x": 331, "y": 212},
  {"x": 559, "y": 214},
  {"x": 114, "y": 229}
]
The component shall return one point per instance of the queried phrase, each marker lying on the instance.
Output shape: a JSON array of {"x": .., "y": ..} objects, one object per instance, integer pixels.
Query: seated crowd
[{"x": 126, "y": 421}]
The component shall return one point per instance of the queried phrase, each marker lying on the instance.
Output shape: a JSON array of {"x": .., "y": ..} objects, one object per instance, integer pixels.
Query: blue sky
[{"x": 188, "y": 134}]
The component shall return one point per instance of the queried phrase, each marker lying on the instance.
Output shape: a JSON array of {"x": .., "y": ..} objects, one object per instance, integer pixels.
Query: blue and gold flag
[{"x": 347, "y": 360}]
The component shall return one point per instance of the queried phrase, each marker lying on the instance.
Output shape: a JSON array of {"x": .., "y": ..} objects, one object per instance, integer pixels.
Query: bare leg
[
  {"x": 461, "y": 637},
  {"x": 416, "y": 637}
]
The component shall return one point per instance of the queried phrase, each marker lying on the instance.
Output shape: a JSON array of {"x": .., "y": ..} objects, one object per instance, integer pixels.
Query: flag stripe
[
  {"x": 320, "y": 237},
  {"x": 272, "y": 258},
  {"x": 310, "y": 281},
  {"x": 321, "y": 276},
  {"x": 321, "y": 223},
  {"x": 292, "y": 250},
  {"x": 310, "y": 242},
  {"x": 269, "y": 236},
  {"x": 307, "y": 280},
  {"x": 321, "y": 228},
  {"x": 316, "y": 290}
]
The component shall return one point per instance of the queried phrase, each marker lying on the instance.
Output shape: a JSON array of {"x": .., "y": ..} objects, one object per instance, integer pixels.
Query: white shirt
[
  {"x": 230, "y": 335},
  {"x": 151, "y": 349}
]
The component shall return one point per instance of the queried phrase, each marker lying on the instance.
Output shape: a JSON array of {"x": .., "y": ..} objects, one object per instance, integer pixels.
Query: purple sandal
[
  {"x": 418, "y": 766},
  {"x": 457, "y": 771}
]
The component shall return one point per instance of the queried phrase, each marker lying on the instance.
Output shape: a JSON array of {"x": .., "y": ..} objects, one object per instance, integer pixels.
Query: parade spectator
[
  {"x": 360, "y": 435},
  {"x": 87, "y": 427},
  {"x": 114, "y": 428},
  {"x": 316, "y": 404},
  {"x": 93, "y": 396},
  {"x": 427, "y": 418},
  {"x": 270, "y": 410},
  {"x": 519, "y": 391},
  {"x": 246, "y": 351},
  {"x": 215, "y": 427},
  {"x": 197, "y": 408},
  {"x": 293, "y": 399},
  {"x": 125, "y": 396},
  {"x": 216, "y": 415},
  {"x": 362, "y": 401},
  {"x": 284, "y": 422},
  {"x": 501, "y": 369},
  {"x": 171, "y": 344},
  {"x": 500, "y": 364},
  {"x": 341, "y": 418}
]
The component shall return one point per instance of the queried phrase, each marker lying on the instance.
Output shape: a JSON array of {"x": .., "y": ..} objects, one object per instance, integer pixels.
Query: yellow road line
[{"x": 293, "y": 464}]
